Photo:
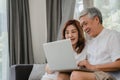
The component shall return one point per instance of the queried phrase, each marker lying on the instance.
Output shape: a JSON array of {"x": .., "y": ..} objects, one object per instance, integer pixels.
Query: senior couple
[{"x": 102, "y": 49}]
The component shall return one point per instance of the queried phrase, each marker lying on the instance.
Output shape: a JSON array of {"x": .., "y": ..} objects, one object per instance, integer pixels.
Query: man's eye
[
  {"x": 85, "y": 24},
  {"x": 81, "y": 26}
]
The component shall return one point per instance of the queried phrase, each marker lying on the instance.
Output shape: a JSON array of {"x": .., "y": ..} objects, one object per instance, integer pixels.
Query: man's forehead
[{"x": 83, "y": 19}]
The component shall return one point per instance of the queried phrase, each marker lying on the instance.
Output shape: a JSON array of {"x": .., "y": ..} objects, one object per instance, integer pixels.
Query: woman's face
[{"x": 71, "y": 33}]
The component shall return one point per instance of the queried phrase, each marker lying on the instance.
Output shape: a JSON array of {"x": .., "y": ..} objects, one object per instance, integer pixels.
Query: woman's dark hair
[{"x": 81, "y": 40}]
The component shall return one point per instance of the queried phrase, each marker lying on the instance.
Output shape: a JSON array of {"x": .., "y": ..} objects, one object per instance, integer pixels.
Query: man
[{"x": 103, "y": 47}]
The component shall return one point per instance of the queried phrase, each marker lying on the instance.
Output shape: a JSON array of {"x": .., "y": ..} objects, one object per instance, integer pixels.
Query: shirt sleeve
[{"x": 115, "y": 46}]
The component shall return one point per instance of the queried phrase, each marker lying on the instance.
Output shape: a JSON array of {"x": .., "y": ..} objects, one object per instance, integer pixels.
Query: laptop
[{"x": 60, "y": 56}]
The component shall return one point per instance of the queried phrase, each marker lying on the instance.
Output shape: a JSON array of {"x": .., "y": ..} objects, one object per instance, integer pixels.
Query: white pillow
[{"x": 37, "y": 72}]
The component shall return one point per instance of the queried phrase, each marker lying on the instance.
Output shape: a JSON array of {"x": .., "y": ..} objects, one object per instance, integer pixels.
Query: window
[
  {"x": 78, "y": 8},
  {"x": 110, "y": 11},
  {"x": 3, "y": 41}
]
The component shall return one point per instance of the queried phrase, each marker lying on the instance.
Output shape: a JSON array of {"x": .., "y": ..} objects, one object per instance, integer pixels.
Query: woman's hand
[{"x": 47, "y": 69}]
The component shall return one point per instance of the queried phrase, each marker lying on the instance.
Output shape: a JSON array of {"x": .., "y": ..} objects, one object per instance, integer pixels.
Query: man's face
[{"x": 89, "y": 25}]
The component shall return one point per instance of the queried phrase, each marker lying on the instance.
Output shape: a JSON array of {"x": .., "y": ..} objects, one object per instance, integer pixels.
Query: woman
[{"x": 74, "y": 32}]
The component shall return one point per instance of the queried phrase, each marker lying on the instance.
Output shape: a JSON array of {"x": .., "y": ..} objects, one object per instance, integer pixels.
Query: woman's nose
[{"x": 70, "y": 35}]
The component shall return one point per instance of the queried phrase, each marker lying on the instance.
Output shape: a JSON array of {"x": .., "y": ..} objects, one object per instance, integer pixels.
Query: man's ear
[{"x": 96, "y": 19}]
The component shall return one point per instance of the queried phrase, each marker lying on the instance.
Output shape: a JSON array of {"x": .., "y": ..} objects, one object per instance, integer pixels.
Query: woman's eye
[
  {"x": 74, "y": 31},
  {"x": 66, "y": 32}
]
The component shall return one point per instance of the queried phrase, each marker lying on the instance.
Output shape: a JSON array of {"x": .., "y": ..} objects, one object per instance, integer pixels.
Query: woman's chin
[{"x": 73, "y": 44}]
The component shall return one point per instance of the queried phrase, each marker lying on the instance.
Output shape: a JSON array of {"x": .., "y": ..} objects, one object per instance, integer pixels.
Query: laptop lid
[{"x": 60, "y": 55}]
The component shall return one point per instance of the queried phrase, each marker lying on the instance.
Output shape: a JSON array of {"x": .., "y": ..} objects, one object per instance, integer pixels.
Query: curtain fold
[
  {"x": 68, "y": 7},
  {"x": 58, "y": 12},
  {"x": 54, "y": 15},
  {"x": 20, "y": 40}
]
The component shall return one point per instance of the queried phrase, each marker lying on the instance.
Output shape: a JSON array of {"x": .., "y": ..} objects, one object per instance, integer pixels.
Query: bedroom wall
[{"x": 38, "y": 26}]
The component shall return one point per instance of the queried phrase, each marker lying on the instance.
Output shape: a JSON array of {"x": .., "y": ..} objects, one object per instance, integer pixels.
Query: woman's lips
[{"x": 72, "y": 39}]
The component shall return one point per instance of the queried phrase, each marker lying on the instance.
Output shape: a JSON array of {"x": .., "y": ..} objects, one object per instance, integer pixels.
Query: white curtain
[
  {"x": 4, "y": 41},
  {"x": 5, "y": 58}
]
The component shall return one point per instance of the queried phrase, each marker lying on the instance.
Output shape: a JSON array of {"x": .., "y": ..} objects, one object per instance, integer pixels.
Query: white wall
[{"x": 39, "y": 28}]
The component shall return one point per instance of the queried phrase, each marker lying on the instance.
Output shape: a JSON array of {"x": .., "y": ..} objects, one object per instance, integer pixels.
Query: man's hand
[{"x": 86, "y": 64}]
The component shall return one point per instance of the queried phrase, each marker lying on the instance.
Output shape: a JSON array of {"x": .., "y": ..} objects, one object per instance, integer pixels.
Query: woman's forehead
[{"x": 71, "y": 27}]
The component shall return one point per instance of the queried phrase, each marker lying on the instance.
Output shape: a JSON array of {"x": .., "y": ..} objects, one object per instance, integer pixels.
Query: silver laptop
[{"x": 60, "y": 56}]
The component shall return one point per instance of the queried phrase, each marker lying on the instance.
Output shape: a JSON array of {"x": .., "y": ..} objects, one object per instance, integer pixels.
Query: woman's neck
[{"x": 74, "y": 47}]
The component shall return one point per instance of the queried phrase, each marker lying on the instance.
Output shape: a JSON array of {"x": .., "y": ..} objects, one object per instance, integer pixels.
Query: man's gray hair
[{"x": 91, "y": 12}]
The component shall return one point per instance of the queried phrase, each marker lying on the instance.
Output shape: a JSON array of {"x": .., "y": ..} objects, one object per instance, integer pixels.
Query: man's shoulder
[
  {"x": 113, "y": 34},
  {"x": 111, "y": 31}
]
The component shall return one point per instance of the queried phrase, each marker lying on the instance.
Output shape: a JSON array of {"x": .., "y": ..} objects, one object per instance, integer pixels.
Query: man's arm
[{"x": 112, "y": 66}]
